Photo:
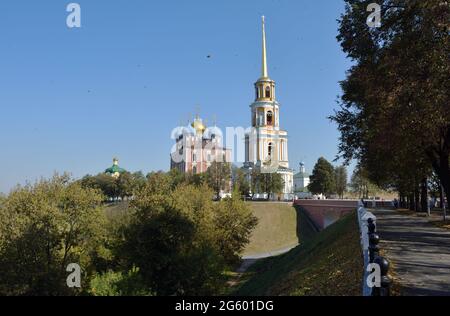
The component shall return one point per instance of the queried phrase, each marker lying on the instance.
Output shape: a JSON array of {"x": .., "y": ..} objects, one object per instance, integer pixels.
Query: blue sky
[{"x": 71, "y": 99}]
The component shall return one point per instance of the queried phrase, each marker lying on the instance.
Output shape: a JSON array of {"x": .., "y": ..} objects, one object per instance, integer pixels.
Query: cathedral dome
[
  {"x": 115, "y": 170},
  {"x": 198, "y": 126}
]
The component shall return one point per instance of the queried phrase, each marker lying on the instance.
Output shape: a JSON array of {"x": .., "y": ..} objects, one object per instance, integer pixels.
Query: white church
[{"x": 266, "y": 146}]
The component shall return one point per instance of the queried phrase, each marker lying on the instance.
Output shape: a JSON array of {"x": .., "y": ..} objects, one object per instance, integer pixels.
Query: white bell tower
[{"x": 267, "y": 144}]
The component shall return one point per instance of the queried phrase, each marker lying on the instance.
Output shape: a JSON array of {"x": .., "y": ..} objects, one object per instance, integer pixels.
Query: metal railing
[{"x": 376, "y": 281}]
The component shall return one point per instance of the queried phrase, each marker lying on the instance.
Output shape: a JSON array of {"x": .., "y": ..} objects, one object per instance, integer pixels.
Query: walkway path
[{"x": 419, "y": 251}]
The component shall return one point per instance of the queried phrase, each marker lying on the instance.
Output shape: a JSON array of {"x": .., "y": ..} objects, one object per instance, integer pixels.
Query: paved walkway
[
  {"x": 269, "y": 254},
  {"x": 419, "y": 251}
]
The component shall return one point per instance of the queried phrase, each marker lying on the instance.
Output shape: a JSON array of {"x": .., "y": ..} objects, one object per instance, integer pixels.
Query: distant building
[
  {"x": 115, "y": 171},
  {"x": 197, "y": 147},
  {"x": 301, "y": 180}
]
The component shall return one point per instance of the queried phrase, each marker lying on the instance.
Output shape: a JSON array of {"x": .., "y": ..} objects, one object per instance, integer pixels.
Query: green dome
[{"x": 115, "y": 169}]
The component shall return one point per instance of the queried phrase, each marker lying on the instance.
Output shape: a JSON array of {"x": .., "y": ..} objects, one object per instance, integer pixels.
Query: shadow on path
[{"x": 419, "y": 250}]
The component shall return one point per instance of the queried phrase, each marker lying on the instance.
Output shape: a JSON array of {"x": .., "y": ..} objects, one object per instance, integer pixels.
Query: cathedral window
[
  {"x": 270, "y": 118},
  {"x": 270, "y": 149}
]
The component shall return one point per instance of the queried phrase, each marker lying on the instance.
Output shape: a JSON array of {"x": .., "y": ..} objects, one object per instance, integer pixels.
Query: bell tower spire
[
  {"x": 265, "y": 87},
  {"x": 264, "y": 49}
]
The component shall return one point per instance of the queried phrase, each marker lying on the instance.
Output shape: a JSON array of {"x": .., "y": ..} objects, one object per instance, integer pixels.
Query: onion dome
[{"x": 115, "y": 171}]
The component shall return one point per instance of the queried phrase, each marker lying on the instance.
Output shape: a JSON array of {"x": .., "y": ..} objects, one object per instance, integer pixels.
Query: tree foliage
[
  {"x": 181, "y": 240},
  {"x": 112, "y": 188},
  {"x": 269, "y": 183},
  {"x": 395, "y": 108},
  {"x": 218, "y": 177},
  {"x": 43, "y": 228},
  {"x": 323, "y": 178},
  {"x": 341, "y": 180}
]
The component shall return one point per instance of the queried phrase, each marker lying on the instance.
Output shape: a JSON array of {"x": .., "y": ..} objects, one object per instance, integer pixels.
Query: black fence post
[
  {"x": 374, "y": 239},
  {"x": 374, "y": 257}
]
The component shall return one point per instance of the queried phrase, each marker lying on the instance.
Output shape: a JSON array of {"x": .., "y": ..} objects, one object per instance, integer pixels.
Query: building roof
[
  {"x": 115, "y": 168},
  {"x": 302, "y": 175}
]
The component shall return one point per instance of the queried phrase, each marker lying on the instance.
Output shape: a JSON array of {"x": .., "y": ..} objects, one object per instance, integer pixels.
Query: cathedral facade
[
  {"x": 266, "y": 146},
  {"x": 197, "y": 147}
]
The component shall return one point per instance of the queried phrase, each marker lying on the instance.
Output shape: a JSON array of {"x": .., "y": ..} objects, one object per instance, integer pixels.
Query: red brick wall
[{"x": 326, "y": 212}]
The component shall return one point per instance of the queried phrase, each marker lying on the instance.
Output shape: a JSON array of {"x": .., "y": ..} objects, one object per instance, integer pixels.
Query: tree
[
  {"x": 341, "y": 180},
  {"x": 181, "y": 240},
  {"x": 235, "y": 222},
  {"x": 139, "y": 180},
  {"x": 241, "y": 182},
  {"x": 105, "y": 183},
  {"x": 269, "y": 183},
  {"x": 323, "y": 178},
  {"x": 125, "y": 185},
  {"x": 394, "y": 115},
  {"x": 218, "y": 176},
  {"x": 361, "y": 184},
  {"x": 119, "y": 284},
  {"x": 177, "y": 177},
  {"x": 43, "y": 228}
]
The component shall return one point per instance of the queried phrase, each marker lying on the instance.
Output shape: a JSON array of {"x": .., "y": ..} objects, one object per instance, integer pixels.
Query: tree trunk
[
  {"x": 440, "y": 160},
  {"x": 411, "y": 202},
  {"x": 416, "y": 199},
  {"x": 424, "y": 195}
]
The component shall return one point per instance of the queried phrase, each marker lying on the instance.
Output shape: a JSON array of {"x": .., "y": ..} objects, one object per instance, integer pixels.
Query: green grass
[
  {"x": 276, "y": 230},
  {"x": 326, "y": 263}
]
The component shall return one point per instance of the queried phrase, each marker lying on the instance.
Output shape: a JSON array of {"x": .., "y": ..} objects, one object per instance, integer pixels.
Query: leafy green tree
[
  {"x": 361, "y": 184},
  {"x": 197, "y": 179},
  {"x": 105, "y": 183},
  {"x": 218, "y": 177},
  {"x": 268, "y": 183},
  {"x": 113, "y": 283},
  {"x": 181, "y": 240},
  {"x": 341, "y": 180},
  {"x": 395, "y": 111},
  {"x": 139, "y": 180},
  {"x": 254, "y": 181},
  {"x": 235, "y": 222},
  {"x": 177, "y": 177},
  {"x": 125, "y": 185},
  {"x": 241, "y": 182},
  {"x": 323, "y": 179},
  {"x": 171, "y": 242},
  {"x": 43, "y": 228}
]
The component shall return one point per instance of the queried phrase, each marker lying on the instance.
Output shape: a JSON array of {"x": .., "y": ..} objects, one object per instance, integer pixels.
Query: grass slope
[
  {"x": 276, "y": 230},
  {"x": 326, "y": 263}
]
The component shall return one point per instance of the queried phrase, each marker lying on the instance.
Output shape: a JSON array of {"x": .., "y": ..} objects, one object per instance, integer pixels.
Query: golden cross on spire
[{"x": 197, "y": 111}]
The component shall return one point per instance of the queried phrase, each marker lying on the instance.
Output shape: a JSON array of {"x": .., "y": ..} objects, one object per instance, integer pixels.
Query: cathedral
[
  {"x": 266, "y": 146},
  {"x": 197, "y": 147}
]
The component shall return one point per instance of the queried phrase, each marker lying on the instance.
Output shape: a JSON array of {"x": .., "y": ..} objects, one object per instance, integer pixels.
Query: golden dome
[{"x": 198, "y": 126}]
